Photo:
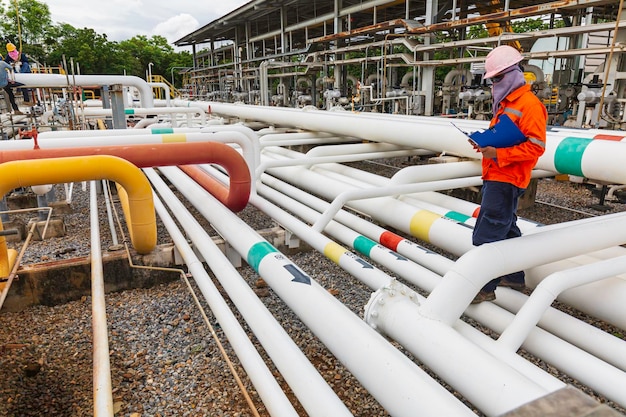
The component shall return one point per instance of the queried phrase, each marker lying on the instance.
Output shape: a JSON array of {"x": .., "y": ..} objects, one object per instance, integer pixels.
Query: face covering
[
  {"x": 14, "y": 54},
  {"x": 512, "y": 79}
]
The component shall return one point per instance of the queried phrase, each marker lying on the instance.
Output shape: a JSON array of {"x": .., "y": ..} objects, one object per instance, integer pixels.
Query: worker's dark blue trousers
[{"x": 497, "y": 221}]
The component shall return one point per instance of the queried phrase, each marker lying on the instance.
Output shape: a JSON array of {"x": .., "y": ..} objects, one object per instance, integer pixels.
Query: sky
[{"x": 123, "y": 19}]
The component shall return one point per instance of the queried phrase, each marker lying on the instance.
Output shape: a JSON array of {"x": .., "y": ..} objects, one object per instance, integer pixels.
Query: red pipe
[{"x": 166, "y": 154}]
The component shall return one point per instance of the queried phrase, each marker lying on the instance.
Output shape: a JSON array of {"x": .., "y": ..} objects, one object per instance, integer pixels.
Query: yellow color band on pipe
[
  {"x": 334, "y": 252},
  {"x": 421, "y": 222}
]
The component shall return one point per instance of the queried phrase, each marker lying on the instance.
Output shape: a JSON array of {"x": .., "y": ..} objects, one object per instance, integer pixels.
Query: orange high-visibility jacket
[{"x": 514, "y": 164}]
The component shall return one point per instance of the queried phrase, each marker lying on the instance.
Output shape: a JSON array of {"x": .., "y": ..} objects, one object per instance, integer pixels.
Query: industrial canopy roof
[{"x": 264, "y": 16}]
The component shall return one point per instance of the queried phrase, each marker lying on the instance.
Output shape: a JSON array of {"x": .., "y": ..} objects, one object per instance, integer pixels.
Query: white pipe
[
  {"x": 332, "y": 158},
  {"x": 173, "y": 111},
  {"x": 107, "y": 201},
  {"x": 438, "y": 134},
  {"x": 165, "y": 88},
  {"x": 102, "y": 387},
  {"x": 261, "y": 376},
  {"x": 59, "y": 80},
  {"x": 478, "y": 266},
  {"x": 407, "y": 391},
  {"x": 491, "y": 385},
  {"x": 491, "y": 372},
  {"x": 547, "y": 291}
]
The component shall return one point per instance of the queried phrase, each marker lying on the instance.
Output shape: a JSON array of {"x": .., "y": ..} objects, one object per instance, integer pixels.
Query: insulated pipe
[
  {"x": 307, "y": 161},
  {"x": 58, "y": 80},
  {"x": 240, "y": 135},
  {"x": 411, "y": 272},
  {"x": 548, "y": 342},
  {"x": 312, "y": 391},
  {"x": 264, "y": 382},
  {"x": 408, "y": 391},
  {"x": 547, "y": 291},
  {"x": 141, "y": 219},
  {"x": 183, "y": 153},
  {"x": 471, "y": 271},
  {"x": 582, "y": 156},
  {"x": 518, "y": 385},
  {"x": 102, "y": 388},
  {"x": 374, "y": 232},
  {"x": 144, "y": 111}
]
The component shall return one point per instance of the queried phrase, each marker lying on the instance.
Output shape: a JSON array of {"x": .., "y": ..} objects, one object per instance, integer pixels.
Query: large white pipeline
[
  {"x": 581, "y": 334},
  {"x": 579, "y": 155},
  {"x": 408, "y": 391},
  {"x": 58, "y": 80},
  {"x": 447, "y": 234},
  {"x": 483, "y": 370}
]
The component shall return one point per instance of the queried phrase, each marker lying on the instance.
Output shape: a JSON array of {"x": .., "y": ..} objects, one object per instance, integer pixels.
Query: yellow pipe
[{"x": 140, "y": 216}]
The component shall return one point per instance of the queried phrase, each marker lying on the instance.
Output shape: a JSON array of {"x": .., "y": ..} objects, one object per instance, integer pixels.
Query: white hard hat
[{"x": 500, "y": 59}]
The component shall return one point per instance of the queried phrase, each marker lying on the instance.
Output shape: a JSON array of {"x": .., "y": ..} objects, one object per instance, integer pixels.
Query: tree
[
  {"x": 26, "y": 24},
  {"x": 90, "y": 52}
]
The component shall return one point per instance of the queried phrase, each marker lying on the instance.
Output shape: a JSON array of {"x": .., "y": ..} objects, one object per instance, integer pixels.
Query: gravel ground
[{"x": 164, "y": 360}]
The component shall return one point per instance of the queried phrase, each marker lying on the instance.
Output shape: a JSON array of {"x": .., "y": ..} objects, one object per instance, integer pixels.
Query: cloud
[{"x": 176, "y": 27}]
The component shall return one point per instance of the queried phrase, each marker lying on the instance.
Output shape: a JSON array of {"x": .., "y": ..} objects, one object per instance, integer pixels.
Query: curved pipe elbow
[{"x": 141, "y": 215}]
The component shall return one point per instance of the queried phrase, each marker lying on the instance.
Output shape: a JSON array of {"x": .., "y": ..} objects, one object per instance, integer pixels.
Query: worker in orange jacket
[{"x": 507, "y": 171}]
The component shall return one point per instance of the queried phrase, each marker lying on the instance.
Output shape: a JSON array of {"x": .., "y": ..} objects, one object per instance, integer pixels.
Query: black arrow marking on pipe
[
  {"x": 365, "y": 264},
  {"x": 298, "y": 276},
  {"x": 398, "y": 256}
]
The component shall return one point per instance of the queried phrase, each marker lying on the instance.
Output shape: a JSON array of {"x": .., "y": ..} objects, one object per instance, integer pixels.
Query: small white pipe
[
  {"x": 368, "y": 193},
  {"x": 107, "y": 200},
  {"x": 166, "y": 88},
  {"x": 307, "y": 161},
  {"x": 547, "y": 291},
  {"x": 474, "y": 269},
  {"x": 264, "y": 382},
  {"x": 363, "y": 351},
  {"x": 102, "y": 387}
]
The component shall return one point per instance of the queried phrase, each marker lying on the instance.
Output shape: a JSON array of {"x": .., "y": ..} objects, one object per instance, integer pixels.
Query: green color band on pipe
[
  {"x": 569, "y": 154},
  {"x": 459, "y": 217},
  {"x": 257, "y": 252},
  {"x": 364, "y": 245}
]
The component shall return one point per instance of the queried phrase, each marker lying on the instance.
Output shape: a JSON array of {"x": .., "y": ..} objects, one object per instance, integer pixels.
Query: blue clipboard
[{"x": 503, "y": 134}]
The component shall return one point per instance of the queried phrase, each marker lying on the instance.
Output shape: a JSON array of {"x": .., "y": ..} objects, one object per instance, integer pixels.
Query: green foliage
[{"x": 83, "y": 50}]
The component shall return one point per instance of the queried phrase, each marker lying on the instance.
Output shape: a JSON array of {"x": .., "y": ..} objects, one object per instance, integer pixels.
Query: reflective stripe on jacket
[{"x": 514, "y": 164}]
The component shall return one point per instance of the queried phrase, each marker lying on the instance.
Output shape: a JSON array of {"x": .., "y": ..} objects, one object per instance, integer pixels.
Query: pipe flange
[{"x": 392, "y": 292}]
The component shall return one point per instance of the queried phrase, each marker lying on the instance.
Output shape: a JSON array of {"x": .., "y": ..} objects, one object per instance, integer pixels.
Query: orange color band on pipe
[
  {"x": 141, "y": 215},
  {"x": 165, "y": 154}
]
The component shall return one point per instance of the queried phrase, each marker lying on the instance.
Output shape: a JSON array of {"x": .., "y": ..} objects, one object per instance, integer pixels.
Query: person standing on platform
[
  {"x": 7, "y": 82},
  {"x": 20, "y": 59}
]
